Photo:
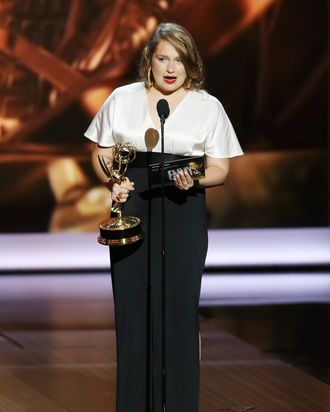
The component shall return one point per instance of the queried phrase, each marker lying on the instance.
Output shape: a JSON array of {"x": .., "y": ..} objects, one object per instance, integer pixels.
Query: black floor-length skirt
[{"x": 136, "y": 272}]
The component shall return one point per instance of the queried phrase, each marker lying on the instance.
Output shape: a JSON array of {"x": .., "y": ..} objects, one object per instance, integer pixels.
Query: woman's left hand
[{"x": 183, "y": 180}]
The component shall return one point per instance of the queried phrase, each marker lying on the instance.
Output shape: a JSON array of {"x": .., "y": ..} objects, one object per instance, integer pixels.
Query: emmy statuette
[{"x": 119, "y": 230}]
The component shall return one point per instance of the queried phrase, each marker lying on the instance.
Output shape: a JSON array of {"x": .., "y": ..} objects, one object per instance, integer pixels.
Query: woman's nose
[{"x": 170, "y": 67}]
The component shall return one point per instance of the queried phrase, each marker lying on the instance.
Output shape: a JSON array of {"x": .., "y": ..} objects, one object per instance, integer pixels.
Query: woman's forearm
[
  {"x": 106, "y": 153},
  {"x": 216, "y": 171},
  {"x": 214, "y": 176},
  {"x": 119, "y": 190}
]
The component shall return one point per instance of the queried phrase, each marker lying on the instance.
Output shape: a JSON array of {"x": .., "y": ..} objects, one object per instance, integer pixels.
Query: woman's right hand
[{"x": 120, "y": 192}]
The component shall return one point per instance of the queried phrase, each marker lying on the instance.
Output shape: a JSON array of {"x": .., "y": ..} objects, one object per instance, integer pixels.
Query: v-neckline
[{"x": 171, "y": 112}]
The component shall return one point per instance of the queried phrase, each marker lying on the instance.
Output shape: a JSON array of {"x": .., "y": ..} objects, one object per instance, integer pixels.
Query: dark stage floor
[{"x": 74, "y": 371}]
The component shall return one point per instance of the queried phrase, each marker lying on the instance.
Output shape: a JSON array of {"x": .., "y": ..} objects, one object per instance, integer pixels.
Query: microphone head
[{"x": 163, "y": 109}]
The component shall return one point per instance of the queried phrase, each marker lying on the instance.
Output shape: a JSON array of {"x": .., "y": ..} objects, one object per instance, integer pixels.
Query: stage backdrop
[{"x": 266, "y": 61}]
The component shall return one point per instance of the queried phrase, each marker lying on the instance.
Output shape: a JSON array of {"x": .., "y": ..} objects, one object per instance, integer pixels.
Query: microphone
[{"x": 163, "y": 109}]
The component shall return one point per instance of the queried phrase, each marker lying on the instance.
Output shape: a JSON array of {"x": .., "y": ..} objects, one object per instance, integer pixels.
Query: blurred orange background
[{"x": 266, "y": 61}]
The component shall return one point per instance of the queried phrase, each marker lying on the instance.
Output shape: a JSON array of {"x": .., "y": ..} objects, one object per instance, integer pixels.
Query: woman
[{"x": 171, "y": 69}]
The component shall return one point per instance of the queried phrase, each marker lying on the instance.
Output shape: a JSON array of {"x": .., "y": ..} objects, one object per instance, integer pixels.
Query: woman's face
[{"x": 167, "y": 68}]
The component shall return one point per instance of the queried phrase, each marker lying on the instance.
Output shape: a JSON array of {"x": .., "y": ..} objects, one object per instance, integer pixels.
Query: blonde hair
[{"x": 183, "y": 42}]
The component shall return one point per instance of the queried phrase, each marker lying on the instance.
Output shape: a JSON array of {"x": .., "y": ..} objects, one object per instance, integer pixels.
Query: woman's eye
[{"x": 161, "y": 59}]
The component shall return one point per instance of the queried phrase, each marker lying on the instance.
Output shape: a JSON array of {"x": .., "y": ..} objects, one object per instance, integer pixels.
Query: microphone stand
[
  {"x": 150, "y": 142},
  {"x": 162, "y": 121}
]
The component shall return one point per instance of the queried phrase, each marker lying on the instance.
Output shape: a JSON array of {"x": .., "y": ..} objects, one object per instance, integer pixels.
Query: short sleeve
[
  {"x": 221, "y": 141},
  {"x": 100, "y": 130}
]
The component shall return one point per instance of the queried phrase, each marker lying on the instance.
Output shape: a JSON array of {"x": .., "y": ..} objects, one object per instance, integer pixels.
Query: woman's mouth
[{"x": 169, "y": 79}]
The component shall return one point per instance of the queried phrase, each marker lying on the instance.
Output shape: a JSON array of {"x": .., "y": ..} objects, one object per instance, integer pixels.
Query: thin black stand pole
[
  {"x": 148, "y": 337},
  {"x": 163, "y": 112},
  {"x": 162, "y": 121}
]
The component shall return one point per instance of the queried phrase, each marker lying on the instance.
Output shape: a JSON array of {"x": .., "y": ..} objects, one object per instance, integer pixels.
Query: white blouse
[{"x": 199, "y": 124}]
